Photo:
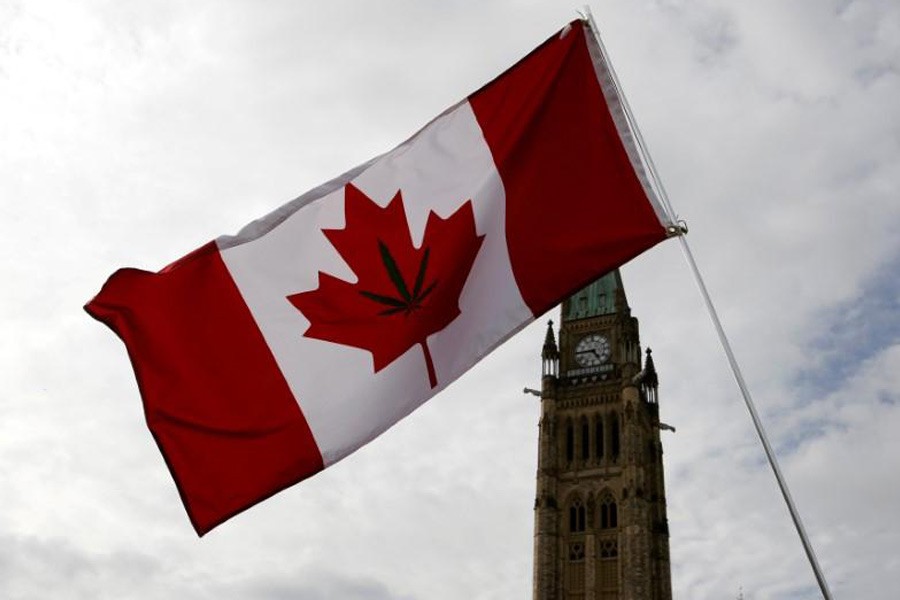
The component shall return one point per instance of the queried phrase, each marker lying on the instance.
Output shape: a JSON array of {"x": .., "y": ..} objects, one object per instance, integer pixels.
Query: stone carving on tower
[{"x": 600, "y": 509}]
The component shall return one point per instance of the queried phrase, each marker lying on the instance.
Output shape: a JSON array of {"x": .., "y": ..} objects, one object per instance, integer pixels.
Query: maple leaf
[{"x": 403, "y": 294}]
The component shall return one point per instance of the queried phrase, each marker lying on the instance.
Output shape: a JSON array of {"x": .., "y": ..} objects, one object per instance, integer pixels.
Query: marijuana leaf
[
  {"x": 408, "y": 302},
  {"x": 403, "y": 294}
]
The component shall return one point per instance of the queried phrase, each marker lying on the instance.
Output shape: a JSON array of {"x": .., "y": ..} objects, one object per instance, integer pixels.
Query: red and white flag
[{"x": 267, "y": 356}]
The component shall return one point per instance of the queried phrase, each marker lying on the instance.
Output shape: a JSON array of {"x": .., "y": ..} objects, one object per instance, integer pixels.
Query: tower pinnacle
[{"x": 550, "y": 354}]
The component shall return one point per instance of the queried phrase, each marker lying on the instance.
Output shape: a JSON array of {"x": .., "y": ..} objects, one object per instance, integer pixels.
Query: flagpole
[
  {"x": 757, "y": 423},
  {"x": 678, "y": 229}
]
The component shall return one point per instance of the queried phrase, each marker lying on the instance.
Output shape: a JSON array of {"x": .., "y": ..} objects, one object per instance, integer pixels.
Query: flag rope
[{"x": 679, "y": 230}]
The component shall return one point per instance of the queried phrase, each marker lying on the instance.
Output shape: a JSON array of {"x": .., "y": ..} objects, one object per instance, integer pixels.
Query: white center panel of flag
[{"x": 344, "y": 401}]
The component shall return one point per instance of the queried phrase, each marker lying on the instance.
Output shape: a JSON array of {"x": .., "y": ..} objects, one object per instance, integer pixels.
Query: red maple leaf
[{"x": 403, "y": 294}]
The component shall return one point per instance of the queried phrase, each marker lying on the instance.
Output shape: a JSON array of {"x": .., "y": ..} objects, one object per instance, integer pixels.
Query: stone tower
[{"x": 600, "y": 528}]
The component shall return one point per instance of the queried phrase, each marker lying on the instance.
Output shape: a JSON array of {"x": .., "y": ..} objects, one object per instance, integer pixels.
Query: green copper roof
[{"x": 598, "y": 298}]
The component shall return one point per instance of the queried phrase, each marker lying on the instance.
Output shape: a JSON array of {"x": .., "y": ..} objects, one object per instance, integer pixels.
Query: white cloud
[{"x": 130, "y": 134}]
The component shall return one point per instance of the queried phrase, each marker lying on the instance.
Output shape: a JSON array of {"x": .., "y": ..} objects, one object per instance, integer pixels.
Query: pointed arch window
[
  {"x": 607, "y": 577},
  {"x": 585, "y": 440},
  {"x": 609, "y": 513},
  {"x": 598, "y": 438},
  {"x": 577, "y": 516},
  {"x": 614, "y": 436},
  {"x": 575, "y": 571},
  {"x": 570, "y": 441}
]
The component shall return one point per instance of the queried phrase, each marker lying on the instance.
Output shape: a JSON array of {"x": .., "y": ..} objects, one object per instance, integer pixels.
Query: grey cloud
[
  {"x": 852, "y": 332},
  {"x": 32, "y": 567},
  {"x": 318, "y": 586}
]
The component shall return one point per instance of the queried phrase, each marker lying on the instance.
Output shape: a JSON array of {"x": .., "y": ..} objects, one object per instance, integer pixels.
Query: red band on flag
[
  {"x": 216, "y": 403},
  {"x": 574, "y": 206}
]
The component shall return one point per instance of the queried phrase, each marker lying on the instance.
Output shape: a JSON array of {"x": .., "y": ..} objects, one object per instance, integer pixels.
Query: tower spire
[
  {"x": 605, "y": 296},
  {"x": 550, "y": 350},
  {"x": 649, "y": 378},
  {"x": 550, "y": 353}
]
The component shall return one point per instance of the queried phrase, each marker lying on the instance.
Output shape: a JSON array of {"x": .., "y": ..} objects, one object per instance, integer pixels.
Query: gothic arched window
[
  {"x": 570, "y": 441},
  {"x": 607, "y": 577},
  {"x": 576, "y": 516},
  {"x": 609, "y": 513},
  {"x": 598, "y": 438},
  {"x": 585, "y": 439},
  {"x": 614, "y": 436}
]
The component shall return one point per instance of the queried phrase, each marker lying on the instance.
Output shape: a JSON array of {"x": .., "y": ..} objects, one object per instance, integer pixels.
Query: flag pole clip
[{"x": 679, "y": 228}]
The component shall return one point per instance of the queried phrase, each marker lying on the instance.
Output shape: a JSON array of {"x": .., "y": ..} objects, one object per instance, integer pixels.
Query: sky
[{"x": 132, "y": 133}]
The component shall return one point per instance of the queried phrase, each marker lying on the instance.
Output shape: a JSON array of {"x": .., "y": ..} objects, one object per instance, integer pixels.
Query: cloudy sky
[{"x": 132, "y": 133}]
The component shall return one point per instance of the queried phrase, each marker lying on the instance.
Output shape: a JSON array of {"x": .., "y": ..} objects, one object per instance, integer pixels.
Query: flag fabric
[{"x": 269, "y": 355}]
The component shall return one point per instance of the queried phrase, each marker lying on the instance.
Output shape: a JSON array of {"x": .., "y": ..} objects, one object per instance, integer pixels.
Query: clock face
[{"x": 592, "y": 350}]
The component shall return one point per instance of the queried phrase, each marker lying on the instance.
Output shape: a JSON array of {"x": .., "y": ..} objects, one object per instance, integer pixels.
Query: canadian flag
[{"x": 267, "y": 356}]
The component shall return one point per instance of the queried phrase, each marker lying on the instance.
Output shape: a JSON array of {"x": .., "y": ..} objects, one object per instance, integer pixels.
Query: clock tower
[{"x": 600, "y": 527}]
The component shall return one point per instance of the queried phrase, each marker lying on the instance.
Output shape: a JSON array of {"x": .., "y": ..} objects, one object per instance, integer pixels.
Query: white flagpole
[
  {"x": 680, "y": 231},
  {"x": 757, "y": 423}
]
